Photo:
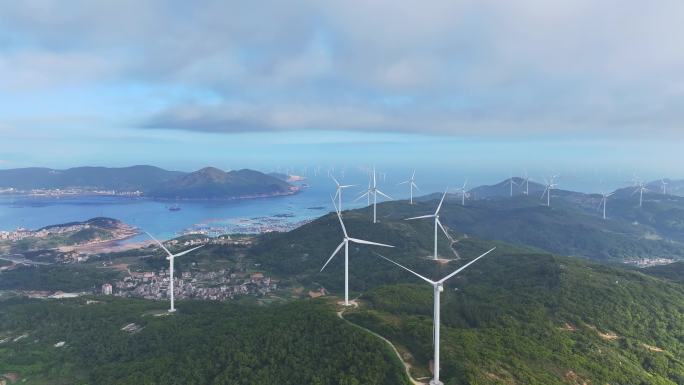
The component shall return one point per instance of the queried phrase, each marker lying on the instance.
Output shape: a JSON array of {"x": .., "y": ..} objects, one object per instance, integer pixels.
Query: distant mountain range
[
  {"x": 125, "y": 178},
  {"x": 573, "y": 225},
  {"x": 207, "y": 183},
  {"x": 212, "y": 183},
  {"x": 503, "y": 189}
]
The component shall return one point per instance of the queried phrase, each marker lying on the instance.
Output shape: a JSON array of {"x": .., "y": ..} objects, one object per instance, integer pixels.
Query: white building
[{"x": 107, "y": 289}]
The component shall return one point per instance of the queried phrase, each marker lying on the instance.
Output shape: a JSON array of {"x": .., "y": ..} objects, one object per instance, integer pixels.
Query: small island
[{"x": 73, "y": 234}]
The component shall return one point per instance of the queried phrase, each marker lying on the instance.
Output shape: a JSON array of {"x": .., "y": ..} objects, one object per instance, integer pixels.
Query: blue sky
[{"x": 491, "y": 86}]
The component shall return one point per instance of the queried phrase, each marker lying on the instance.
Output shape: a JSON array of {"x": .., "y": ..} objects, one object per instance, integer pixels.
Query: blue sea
[{"x": 156, "y": 218}]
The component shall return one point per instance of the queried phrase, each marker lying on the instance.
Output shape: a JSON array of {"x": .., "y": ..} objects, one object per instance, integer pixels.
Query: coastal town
[
  {"x": 220, "y": 285},
  {"x": 66, "y": 192}
]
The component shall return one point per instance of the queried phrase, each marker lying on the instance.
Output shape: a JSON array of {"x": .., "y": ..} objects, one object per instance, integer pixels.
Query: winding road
[{"x": 407, "y": 366}]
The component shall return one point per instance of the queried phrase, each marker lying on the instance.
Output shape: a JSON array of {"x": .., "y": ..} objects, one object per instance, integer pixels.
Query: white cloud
[{"x": 457, "y": 65}]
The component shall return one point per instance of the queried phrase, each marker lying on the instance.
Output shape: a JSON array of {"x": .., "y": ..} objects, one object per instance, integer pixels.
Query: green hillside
[
  {"x": 571, "y": 226},
  {"x": 522, "y": 318},
  {"x": 673, "y": 272},
  {"x": 212, "y": 183},
  {"x": 204, "y": 343}
]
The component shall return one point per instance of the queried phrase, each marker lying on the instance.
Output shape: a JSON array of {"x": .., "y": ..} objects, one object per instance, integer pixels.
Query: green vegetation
[
  {"x": 519, "y": 316},
  {"x": 572, "y": 226},
  {"x": 70, "y": 234},
  {"x": 204, "y": 343},
  {"x": 673, "y": 272},
  {"x": 524, "y": 318},
  {"x": 212, "y": 183},
  {"x": 56, "y": 277}
]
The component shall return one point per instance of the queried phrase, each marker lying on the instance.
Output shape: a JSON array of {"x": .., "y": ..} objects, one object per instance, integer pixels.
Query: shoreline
[{"x": 294, "y": 191}]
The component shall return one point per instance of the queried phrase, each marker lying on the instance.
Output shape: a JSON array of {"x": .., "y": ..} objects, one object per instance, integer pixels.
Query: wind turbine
[
  {"x": 550, "y": 186},
  {"x": 512, "y": 182},
  {"x": 170, "y": 258},
  {"x": 604, "y": 199},
  {"x": 412, "y": 183},
  {"x": 526, "y": 181},
  {"x": 438, "y": 224},
  {"x": 464, "y": 193},
  {"x": 437, "y": 287},
  {"x": 374, "y": 191},
  {"x": 640, "y": 188},
  {"x": 345, "y": 244},
  {"x": 338, "y": 191},
  {"x": 663, "y": 185}
]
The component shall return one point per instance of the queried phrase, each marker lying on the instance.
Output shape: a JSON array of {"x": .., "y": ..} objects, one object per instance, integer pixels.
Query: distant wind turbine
[
  {"x": 640, "y": 188},
  {"x": 438, "y": 224},
  {"x": 526, "y": 181},
  {"x": 464, "y": 193},
  {"x": 550, "y": 186},
  {"x": 604, "y": 200},
  {"x": 338, "y": 191},
  {"x": 512, "y": 183},
  {"x": 437, "y": 288},
  {"x": 170, "y": 258},
  {"x": 663, "y": 185},
  {"x": 373, "y": 191},
  {"x": 412, "y": 183},
  {"x": 345, "y": 244}
]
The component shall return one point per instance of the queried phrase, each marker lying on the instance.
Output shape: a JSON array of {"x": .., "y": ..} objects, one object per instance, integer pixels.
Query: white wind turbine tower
[
  {"x": 338, "y": 191},
  {"x": 374, "y": 191},
  {"x": 640, "y": 188},
  {"x": 512, "y": 183},
  {"x": 550, "y": 186},
  {"x": 170, "y": 258},
  {"x": 438, "y": 224},
  {"x": 345, "y": 244},
  {"x": 663, "y": 185},
  {"x": 412, "y": 183},
  {"x": 526, "y": 181},
  {"x": 604, "y": 200},
  {"x": 464, "y": 193},
  {"x": 437, "y": 287}
]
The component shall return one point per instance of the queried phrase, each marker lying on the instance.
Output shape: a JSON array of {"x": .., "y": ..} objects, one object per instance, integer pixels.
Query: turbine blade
[
  {"x": 337, "y": 210},
  {"x": 407, "y": 269},
  {"x": 416, "y": 186},
  {"x": 344, "y": 229},
  {"x": 347, "y": 186},
  {"x": 383, "y": 194},
  {"x": 420, "y": 217},
  {"x": 362, "y": 195},
  {"x": 444, "y": 230},
  {"x": 404, "y": 182},
  {"x": 544, "y": 193},
  {"x": 160, "y": 244},
  {"x": 333, "y": 255},
  {"x": 355, "y": 240},
  {"x": 441, "y": 201},
  {"x": 187, "y": 251},
  {"x": 464, "y": 266},
  {"x": 336, "y": 182}
]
